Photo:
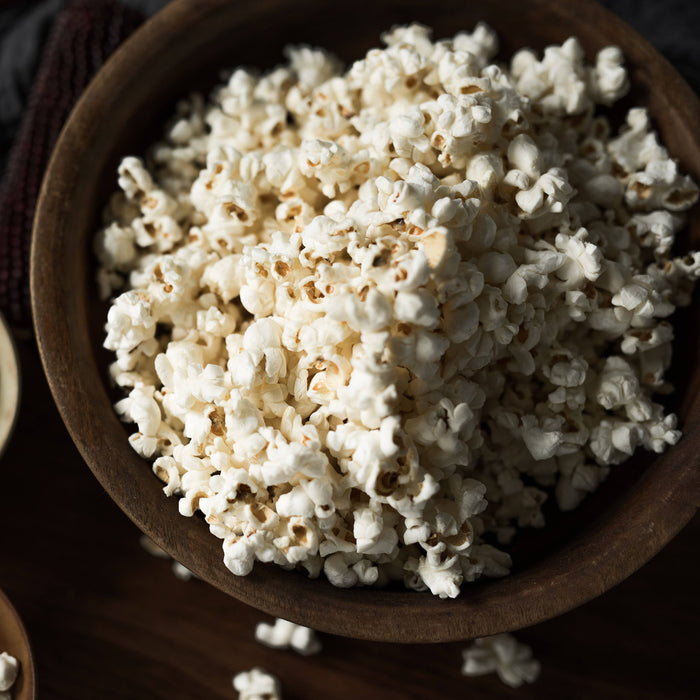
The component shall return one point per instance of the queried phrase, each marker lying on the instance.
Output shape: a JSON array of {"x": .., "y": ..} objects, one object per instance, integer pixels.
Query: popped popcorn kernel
[
  {"x": 9, "y": 670},
  {"x": 503, "y": 655},
  {"x": 286, "y": 635},
  {"x": 257, "y": 684}
]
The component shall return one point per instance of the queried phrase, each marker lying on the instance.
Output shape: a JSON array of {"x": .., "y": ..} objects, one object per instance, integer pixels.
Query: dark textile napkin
[{"x": 83, "y": 36}]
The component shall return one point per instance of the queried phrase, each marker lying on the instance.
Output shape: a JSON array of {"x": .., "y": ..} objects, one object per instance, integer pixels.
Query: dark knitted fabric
[{"x": 84, "y": 34}]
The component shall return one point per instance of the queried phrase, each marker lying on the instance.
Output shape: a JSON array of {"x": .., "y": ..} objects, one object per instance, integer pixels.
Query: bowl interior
[{"x": 581, "y": 554}]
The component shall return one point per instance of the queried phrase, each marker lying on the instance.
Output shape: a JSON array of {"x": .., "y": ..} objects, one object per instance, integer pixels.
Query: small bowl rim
[
  {"x": 28, "y": 666},
  {"x": 10, "y": 384},
  {"x": 651, "y": 516}
]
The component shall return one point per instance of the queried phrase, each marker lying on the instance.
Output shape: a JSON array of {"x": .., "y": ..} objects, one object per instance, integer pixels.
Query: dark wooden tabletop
[{"x": 108, "y": 620}]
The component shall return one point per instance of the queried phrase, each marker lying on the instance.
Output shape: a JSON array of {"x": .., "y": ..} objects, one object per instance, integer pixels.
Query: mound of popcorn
[{"x": 370, "y": 321}]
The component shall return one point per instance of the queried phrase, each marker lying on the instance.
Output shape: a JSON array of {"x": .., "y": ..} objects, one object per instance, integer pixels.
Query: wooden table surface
[{"x": 108, "y": 620}]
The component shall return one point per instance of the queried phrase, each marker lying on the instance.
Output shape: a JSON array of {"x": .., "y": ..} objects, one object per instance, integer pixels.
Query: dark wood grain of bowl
[{"x": 580, "y": 555}]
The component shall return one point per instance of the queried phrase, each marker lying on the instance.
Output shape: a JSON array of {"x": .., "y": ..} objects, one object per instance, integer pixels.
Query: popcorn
[
  {"x": 557, "y": 82},
  {"x": 152, "y": 548},
  {"x": 367, "y": 322},
  {"x": 504, "y": 655},
  {"x": 180, "y": 571},
  {"x": 130, "y": 322},
  {"x": 608, "y": 78},
  {"x": 257, "y": 684},
  {"x": 9, "y": 670},
  {"x": 660, "y": 185},
  {"x": 286, "y": 635}
]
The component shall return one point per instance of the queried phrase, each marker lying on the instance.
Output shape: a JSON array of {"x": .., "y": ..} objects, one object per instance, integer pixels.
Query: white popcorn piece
[
  {"x": 619, "y": 384},
  {"x": 504, "y": 655},
  {"x": 257, "y": 684},
  {"x": 239, "y": 554},
  {"x": 442, "y": 578},
  {"x": 9, "y": 670},
  {"x": 541, "y": 441},
  {"x": 115, "y": 247},
  {"x": 656, "y": 230},
  {"x": 286, "y": 635},
  {"x": 129, "y": 321},
  {"x": 313, "y": 67},
  {"x": 365, "y": 321},
  {"x": 141, "y": 408},
  {"x": 660, "y": 185},
  {"x": 152, "y": 548},
  {"x": 339, "y": 572},
  {"x": 134, "y": 179},
  {"x": 557, "y": 82},
  {"x": 481, "y": 43},
  {"x": 181, "y": 571},
  {"x": 167, "y": 470},
  {"x": 637, "y": 145},
  {"x": 608, "y": 79}
]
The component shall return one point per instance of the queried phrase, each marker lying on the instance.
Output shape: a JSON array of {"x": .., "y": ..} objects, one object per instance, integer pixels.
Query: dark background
[{"x": 106, "y": 620}]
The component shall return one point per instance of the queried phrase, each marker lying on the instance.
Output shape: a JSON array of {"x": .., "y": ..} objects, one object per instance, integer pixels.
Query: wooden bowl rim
[
  {"x": 645, "y": 520},
  {"x": 25, "y": 687}
]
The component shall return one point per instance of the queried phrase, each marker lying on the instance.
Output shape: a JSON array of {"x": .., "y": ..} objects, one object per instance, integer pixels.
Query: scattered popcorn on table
[
  {"x": 504, "y": 655},
  {"x": 152, "y": 548},
  {"x": 257, "y": 684},
  {"x": 180, "y": 571},
  {"x": 286, "y": 635},
  {"x": 9, "y": 670},
  {"x": 369, "y": 322}
]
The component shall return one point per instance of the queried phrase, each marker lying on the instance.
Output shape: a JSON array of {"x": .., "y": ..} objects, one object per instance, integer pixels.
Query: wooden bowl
[
  {"x": 14, "y": 640},
  {"x": 639, "y": 509},
  {"x": 9, "y": 384}
]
